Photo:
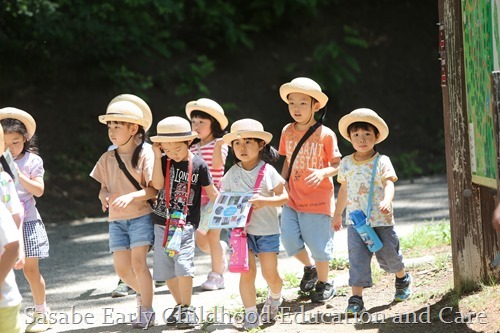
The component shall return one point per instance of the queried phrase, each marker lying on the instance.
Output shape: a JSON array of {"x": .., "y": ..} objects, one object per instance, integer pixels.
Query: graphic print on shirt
[{"x": 309, "y": 156}]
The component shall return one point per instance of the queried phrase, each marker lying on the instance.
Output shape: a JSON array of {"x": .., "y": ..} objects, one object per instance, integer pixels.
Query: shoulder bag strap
[
  {"x": 297, "y": 148},
  {"x": 134, "y": 182},
  {"x": 256, "y": 187},
  {"x": 374, "y": 172}
]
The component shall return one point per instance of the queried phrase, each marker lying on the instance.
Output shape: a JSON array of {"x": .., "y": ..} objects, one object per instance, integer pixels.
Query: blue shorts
[
  {"x": 181, "y": 264},
  {"x": 262, "y": 244},
  {"x": 389, "y": 257},
  {"x": 314, "y": 230},
  {"x": 127, "y": 234}
]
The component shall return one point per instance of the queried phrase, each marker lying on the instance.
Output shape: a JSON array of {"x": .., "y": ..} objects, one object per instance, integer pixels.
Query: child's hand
[
  {"x": 385, "y": 206},
  {"x": 157, "y": 149},
  {"x": 337, "y": 223},
  {"x": 104, "y": 203},
  {"x": 121, "y": 202},
  {"x": 21, "y": 260},
  {"x": 315, "y": 178},
  {"x": 257, "y": 202}
]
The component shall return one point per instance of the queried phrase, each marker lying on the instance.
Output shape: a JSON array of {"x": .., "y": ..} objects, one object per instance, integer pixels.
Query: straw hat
[
  {"x": 173, "y": 129},
  {"x": 125, "y": 111},
  {"x": 209, "y": 106},
  {"x": 146, "y": 111},
  {"x": 306, "y": 86},
  {"x": 247, "y": 128},
  {"x": 22, "y": 116},
  {"x": 367, "y": 116}
]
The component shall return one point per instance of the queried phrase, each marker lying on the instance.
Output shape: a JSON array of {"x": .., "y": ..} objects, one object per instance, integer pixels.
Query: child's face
[
  {"x": 247, "y": 150},
  {"x": 178, "y": 151},
  {"x": 15, "y": 142},
  {"x": 301, "y": 107},
  {"x": 120, "y": 133},
  {"x": 201, "y": 126},
  {"x": 363, "y": 140}
]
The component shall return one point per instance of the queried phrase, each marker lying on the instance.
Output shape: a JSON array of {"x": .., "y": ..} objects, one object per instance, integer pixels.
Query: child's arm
[
  {"x": 34, "y": 186},
  {"x": 339, "y": 208},
  {"x": 284, "y": 169},
  {"x": 279, "y": 199},
  {"x": 218, "y": 160},
  {"x": 158, "y": 180},
  {"x": 122, "y": 201},
  {"x": 212, "y": 192},
  {"x": 8, "y": 259},
  {"x": 385, "y": 205},
  {"x": 22, "y": 255},
  {"x": 104, "y": 197},
  {"x": 317, "y": 175}
]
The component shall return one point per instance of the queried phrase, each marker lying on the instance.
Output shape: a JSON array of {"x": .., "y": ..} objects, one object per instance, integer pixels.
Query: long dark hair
[
  {"x": 11, "y": 125},
  {"x": 268, "y": 154},
  {"x": 215, "y": 128}
]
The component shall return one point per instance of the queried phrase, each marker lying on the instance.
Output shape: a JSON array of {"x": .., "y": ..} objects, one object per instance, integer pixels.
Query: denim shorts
[
  {"x": 262, "y": 244},
  {"x": 127, "y": 234},
  {"x": 389, "y": 257},
  {"x": 314, "y": 230},
  {"x": 181, "y": 264}
]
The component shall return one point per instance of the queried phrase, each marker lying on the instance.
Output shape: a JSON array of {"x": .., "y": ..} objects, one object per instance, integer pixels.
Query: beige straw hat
[
  {"x": 125, "y": 111},
  {"x": 146, "y": 111},
  {"x": 173, "y": 129},
  {"x": 367, "y": 116},
  {"x": 22, "y": 116},
  {"x": 247, "y": 128},
  {"x": 209, "y": 106},
  {"x": 306, "y": 86}
]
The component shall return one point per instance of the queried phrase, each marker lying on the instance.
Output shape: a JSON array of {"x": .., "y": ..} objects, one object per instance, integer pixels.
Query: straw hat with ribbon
[
  {"x": 146, "y": 111},
  {"x": 208, "y": 106},
  {"x": 306, "y": 86},
  {"x": 247, "y": 128},
  {"x": 125, "y": 111},
  {"x": 173, "y": 129},
  {"x": 22, "y": 116},
  {"x": 367, "y": 116}
]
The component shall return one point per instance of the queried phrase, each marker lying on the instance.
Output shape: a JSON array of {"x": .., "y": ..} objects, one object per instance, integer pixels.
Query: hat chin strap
[{"x": 127, "y": 141}]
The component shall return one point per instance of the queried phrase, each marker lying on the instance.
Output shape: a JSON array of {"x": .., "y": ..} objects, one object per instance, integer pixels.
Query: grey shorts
[
  {"x": 389, "y": 257},
  {"x": 181, "y": 264}
]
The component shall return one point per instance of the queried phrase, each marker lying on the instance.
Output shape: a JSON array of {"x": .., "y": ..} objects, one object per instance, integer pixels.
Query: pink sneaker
[{"x": 214, "y": 282}]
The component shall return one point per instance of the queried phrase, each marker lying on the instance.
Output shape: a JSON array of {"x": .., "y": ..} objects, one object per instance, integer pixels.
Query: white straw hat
[
  {"x": 22, "y": 116},
  {"x": 209, "y": 106},
  {"x": 306, "y": 86},
  {"x": 173, "y": 129},
  {"x": 146, "y": 111},
  {"x": 125, "y": 111},
  {"x": 367, "y": 116},
  {"x": 247, "y": 128}
]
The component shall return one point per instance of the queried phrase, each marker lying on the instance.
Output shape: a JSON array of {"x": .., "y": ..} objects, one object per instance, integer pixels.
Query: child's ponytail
[
  {"x": 135, "y": 156},
  {"x": 269, "y": 154}
]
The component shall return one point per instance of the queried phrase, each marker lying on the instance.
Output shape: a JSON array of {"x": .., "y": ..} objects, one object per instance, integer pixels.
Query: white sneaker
[
  {"x": 214, "y": 282},
  {"x": 40, "y": 322},
  {"x": 270, "y": 309}
]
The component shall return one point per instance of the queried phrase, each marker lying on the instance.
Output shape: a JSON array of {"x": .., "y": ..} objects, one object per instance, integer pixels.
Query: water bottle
[
  {"x": 368, "y": 235},
  {"x": 238, "y": 259}
]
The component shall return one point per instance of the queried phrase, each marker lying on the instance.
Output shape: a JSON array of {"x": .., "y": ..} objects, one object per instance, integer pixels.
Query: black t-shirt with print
[{"x": 178, "y": 187}]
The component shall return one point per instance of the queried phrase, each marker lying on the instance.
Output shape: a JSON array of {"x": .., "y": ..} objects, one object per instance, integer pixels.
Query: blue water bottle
[{"x": 368, "y": 235}]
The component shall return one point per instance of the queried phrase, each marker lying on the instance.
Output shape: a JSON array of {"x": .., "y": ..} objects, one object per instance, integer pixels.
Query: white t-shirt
[
  {"x": 8, "y": 234},
  {"x": 264, "y": 221}
]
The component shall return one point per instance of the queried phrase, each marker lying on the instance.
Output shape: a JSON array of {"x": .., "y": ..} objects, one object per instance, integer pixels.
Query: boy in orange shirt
[{"x": 307, "y": 218}]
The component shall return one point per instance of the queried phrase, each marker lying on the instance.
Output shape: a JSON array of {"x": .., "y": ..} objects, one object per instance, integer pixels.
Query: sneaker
[
  {"x": 159, "y": 284},
  {"x": 146, "y": 319},
  {"x": 122, "y": 290},
  {"x": 270, "y": 309},
  {"x": 40, "y": 322},
  {"x": 251, "y": 321},
  {"x": 355, "y": 306},
  {"x": 403, "y": 290},
  {"x": 214, "y": 282},
  {"x": 174, "y": 315},
  {"x": 308, "y": 279},
  {"x": 187, "y": 317},
  {"x": 324, "y": 291}
]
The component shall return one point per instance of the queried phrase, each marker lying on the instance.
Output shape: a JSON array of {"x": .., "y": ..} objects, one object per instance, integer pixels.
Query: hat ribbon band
[{"x": 175, "y": 134}]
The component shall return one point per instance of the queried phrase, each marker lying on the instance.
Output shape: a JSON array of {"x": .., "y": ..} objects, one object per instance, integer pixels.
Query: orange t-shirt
[{"x": 316, "y": 153}]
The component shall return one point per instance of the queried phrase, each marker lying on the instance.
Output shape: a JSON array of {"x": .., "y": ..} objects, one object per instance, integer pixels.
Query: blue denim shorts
[
  {"x": 127, "y": 234},
  {"x": 389, "y": 257},
  {"x": 314, "y": 230},
  {"x": 266, "y": 243},
  {"x": 181, "y": 264}
]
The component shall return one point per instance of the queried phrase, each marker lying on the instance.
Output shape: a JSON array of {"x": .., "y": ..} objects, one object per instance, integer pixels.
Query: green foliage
[
  {"x": 192, "y": 78},
  {"x": 339, "y": 263},
  {"x": 427, "y": 236},
  {"x": 291, "y": 280},
  {"x": 407, "y": 165}
]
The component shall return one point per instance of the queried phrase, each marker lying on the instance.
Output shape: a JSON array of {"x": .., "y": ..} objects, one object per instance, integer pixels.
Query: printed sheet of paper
[{"x": 230, "y": 210}]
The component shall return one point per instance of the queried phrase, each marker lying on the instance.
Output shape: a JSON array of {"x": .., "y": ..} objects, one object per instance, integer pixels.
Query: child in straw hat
[
  {"x": 364, "y": 129},
  {"x": 252, "y": 150},
  {"x": 179, "y": 175},
  {"x": 129, "y": 214},
  {"x": 208, "y": 120},
  {"x": 19, "y": 130},
  {"x": 306, "y": 219}
]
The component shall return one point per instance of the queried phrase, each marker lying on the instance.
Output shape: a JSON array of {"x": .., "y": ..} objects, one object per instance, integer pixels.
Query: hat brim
[
  {"x": 195, "y": 105},
  {"x": 173, "y": 138},
  {"x": 123, "y": 118},
  {"x": 146, "y": 110},
  {"x": 230, "y": 137},
  {"x": 23, "y": 116},
  {"x": 288, "y": 88},
  {"x": 376, "y": 121}
]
